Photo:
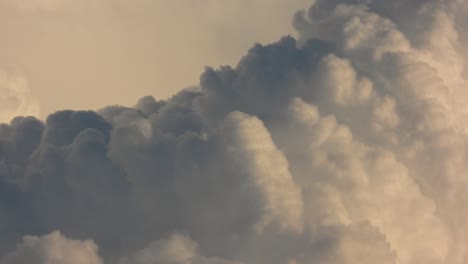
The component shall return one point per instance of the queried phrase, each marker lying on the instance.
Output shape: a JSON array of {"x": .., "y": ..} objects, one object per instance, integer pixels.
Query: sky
[
  {"x": 88, "y": 54},
  {"x": 343, "y": 142}
]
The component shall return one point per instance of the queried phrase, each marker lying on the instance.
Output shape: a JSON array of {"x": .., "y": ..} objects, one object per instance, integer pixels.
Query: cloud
[
  {"x": 250, "y": 146},
  {"x": 345, "y": 145},
  {"x": 177, "y": 249},
  {"x": 53, "y": 249},
  {"x": 340, "y": 173},
  {"x": 15, "y": 98}
]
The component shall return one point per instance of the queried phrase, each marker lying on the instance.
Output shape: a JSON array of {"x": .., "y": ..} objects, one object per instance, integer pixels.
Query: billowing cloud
[{"x": 346, "y": 145}]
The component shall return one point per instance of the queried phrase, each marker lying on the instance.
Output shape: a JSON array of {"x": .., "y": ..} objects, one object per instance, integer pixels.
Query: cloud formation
[{"x": 346, "y": 145}]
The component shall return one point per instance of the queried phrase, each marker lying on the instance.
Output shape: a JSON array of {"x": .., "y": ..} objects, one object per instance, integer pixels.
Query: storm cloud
[{"x": 345, "y": 145}]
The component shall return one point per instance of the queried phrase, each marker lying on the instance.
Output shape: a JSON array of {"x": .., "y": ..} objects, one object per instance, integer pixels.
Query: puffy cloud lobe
[
  {"x": 356, "y": 30},
  {"x": 349, "y": 245},
  {"x": 262, "y": 73},
  {"x": 64, "y": 126},
  {"x": 266, "y": 169},
  {"x": 344, "y": 146},
  {"x": 53, "y": 249},
  {"x": 338, "y": 78},
  {"x": 18, "y": 141},
  {"x": 177, "y": 249},
  {"x": 345, "y": 173}
]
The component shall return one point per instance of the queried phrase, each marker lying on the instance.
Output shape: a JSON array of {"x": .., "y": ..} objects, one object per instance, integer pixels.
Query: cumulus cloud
[{"x": 346, "y": 145}]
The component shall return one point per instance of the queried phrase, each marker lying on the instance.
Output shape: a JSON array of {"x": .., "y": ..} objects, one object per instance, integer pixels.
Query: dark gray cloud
[{"x": 346, "y": 145}]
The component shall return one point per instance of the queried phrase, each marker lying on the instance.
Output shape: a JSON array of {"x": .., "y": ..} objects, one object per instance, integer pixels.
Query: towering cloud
[{"x": 346, "y": 145}]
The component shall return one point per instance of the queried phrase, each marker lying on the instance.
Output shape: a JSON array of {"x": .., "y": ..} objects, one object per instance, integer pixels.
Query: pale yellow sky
[{"x": 91, "y": 53}]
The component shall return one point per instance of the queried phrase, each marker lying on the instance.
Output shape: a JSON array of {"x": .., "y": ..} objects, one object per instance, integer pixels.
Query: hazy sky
[{"x": 90, "y": 53}]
